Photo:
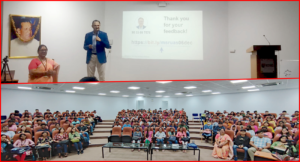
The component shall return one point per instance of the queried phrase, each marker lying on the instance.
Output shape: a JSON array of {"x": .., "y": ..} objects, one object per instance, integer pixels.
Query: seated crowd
[
  {"x": 157, "y": 126},
  {"x": 250, "y": 132},
  {"x": 42, "y": 135}
]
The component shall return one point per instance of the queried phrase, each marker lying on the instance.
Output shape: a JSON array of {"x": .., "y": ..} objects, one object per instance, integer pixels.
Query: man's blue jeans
[
  {"x": 170, "y": 142},
  {"x": 160, "y": 141},
  {"x": 86, "y": 134},
  {"x": 62, "y": 146},
  {"x": 245, "y": 149}
]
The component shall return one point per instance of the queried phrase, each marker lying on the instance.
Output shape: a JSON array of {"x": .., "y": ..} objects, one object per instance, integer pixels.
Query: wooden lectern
[{"x": 263, "y": 61}]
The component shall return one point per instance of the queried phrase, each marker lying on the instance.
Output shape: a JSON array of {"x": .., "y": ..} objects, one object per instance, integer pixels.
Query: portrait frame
[{"x": 35, "y": 36}]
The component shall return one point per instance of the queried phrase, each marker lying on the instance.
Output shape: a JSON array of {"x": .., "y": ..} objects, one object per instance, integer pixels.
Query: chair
[
  {"x": 37, "y": 135},
  {"x": 242, "y": 151},
  {"x": 16, "y": 136},
  {"x": 278, "y": 131},
  {"x": 230, "y": 133},
  {"x": 195, "y": 116},
  {"x": 127, "y": 135},
  {"x": 167, "y": 133},
  {"x": 3, "y": 118},
  {"x": 66, "y": 126},
  {"x": 115, "y": 135},
  {"x": 27, "y": 128}
]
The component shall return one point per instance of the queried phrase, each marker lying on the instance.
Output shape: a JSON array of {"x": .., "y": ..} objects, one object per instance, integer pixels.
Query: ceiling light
[
  {"x": 163, "y": 82},
  {"x": 190, "y": 87},
  {"x": 102, "y": 94},
  {"x": 205, "y": 91},
  {"x": 92, "y": 83},
  {"x": 125, "y": 96},
  {"x": 140, "y": 94},
  {"x": 158, "y": 96},
  {"x": 24, "y": 87},
  {"x": 247, "y": 87},
  {"x": 80, "y": 88},
  {"x": 114, "y": 91},
  {"x": 68, "y": 91},
  {"x": 215, "y": 93},
  {"x": 134, "y": 88},
  {"x": 189, "y": 95},
  {"x": 166, "y": 96},
  {"x": 160, "y": 91},
  {"x": 253, "y": 90},
  {"x": 178, "y": 93},
  {"x": 238, "y": 81}
]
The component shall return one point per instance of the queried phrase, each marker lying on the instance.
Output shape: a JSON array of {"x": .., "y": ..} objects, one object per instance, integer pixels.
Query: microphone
[{"x": 267, "y": 39}]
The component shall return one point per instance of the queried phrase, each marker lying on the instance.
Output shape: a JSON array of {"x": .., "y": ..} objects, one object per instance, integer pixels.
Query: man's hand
[
  {"x": 98, "y": 39},
  {"x": 259, "y": 149},
  {"x": 91, "y": 46},
  {"x": 240, "y": 146}
]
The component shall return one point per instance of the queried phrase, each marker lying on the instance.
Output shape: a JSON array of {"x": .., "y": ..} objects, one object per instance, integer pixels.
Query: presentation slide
[{"x": 169, "y": 35}]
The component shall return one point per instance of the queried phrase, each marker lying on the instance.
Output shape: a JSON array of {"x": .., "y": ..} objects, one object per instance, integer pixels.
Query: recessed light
[
  {"x": 92, "y": 83},
  {"x": 68, "y": 91},
  {"x": 238, "y": 81},
  {"x": 253, "y": 90},
  {"x": 102, "y": 94},
  {"x": 189, "y": 95},
  {"x": 215, "y": 93},
  {"x": 125, "y": 96},
  {"x": 24, "y": 87},
  {"x": 163, "y": 82},
  {"x": 190, "y": 87},
  {"x": 160, "y": 91},
  {"x": 166, "y": 96},
  {"x": 80, "y": 88},
  {"x": 205, "y": 91},
  {"x": 247, "y": 87},
  {"x": 178, "y": 94},
  {"x": 140, "y": 94},
  {"x": 134, "y": 88},
  {"x": 114, "y": 91},
  {"x": 158, "y": 96}
]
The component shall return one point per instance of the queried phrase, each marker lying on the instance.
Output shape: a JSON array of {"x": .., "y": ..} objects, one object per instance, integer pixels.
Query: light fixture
[
  {"x": 158, "y": 96},
  {"x": 140, "y": 94},
  {"x": 247, "y": 87},
  {"x": 215, "y": 93},
  {"x": 166, "y": 96},
  {"x": 163, "y": 82},
  {"x": 238, "y": 81},
  {"x": 24, "y": 87},
  {"x": 160, "y": 91},
  {"x": 92, "y": 83},
  {"x": 253, "y": 90},
  {"x": 102, "y": 94},
  {"x": 189, "y": 95},
  {"x": 114, "y": 91},
  {"x": 80, "y": 88},
  {"x": 178, "y": 94},
  {"x": 68, "y": 91},
  {"x": 125, "y": 96},
  {"x": 190, "y": 87},
  {"x": 133, "y": 88},
  {"x": 205, "y": 91}
]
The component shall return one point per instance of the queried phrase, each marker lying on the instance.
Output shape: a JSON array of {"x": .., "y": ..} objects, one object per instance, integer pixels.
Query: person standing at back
[{"x": 95, "y": 43}]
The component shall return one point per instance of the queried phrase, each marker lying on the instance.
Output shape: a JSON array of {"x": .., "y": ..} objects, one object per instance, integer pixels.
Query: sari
[
  {"x": 39, "y": 67},
  {"x": 226, "y": 151}
]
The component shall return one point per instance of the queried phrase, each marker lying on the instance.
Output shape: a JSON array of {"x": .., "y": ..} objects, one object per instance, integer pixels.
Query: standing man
[{"x": 94, "y": 44}]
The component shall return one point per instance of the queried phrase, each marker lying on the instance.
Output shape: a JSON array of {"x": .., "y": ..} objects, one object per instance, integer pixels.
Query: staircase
[{"x": 102, "y": 131}]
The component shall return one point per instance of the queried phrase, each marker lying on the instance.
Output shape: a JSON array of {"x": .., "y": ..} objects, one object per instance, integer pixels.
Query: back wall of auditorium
[
  {"x": 107, "y": 107},
  {"x": 227, "y": 26}
]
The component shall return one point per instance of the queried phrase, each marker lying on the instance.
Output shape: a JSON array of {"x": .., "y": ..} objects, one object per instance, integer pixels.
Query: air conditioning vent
[
  {"x": 43, "y": 88},
  {"x": 269, "y": 84}
]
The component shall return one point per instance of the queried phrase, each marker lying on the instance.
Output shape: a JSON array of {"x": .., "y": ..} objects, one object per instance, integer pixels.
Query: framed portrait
[{"x": 25, "y": 36}]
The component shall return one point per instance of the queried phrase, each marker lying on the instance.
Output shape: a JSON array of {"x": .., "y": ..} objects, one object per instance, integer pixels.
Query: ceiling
[{"x": 149, "y": 88}]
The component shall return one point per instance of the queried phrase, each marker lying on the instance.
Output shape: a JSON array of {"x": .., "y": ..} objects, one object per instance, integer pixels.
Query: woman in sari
[
  {"x": 223, "y": 146},
  {"x": 42, "y": 69}
]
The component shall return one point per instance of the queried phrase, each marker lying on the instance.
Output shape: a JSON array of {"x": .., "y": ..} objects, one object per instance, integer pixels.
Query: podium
[{"x": 263, "y": 61}]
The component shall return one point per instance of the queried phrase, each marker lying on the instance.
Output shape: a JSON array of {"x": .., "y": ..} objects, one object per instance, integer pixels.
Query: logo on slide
[{"x": 141, "y": 23}]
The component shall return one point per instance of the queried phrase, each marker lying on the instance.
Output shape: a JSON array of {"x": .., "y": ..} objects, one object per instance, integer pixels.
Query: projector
[{"x": 162, "y": 4}]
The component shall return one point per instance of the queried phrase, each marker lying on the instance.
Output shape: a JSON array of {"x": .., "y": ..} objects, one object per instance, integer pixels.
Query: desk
[{"x": 264, "y": 156}]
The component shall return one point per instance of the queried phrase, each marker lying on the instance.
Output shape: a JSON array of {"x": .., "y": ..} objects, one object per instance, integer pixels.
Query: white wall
[
  {"x": 108, "y": 107},
  {"x": 63, "y": 28},
  {"x": 249, "y": 21}
]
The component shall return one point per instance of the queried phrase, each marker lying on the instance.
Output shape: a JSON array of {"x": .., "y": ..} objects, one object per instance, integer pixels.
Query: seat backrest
[
  {"x": 288, "y": 126},
  {"x": 116, "y": 131},
  {"x": 168, "y": 130},
  {"x": 27, "y": 128},
  {"x": 127, "y": 131},
  {"x": 62, "y": 122},
  {"x": 16, "y": 137},
  {"x": 36, "y": 129},
  {"x": 230, "y": 133},
  {"x": 66, "y": 126},
  {"x": 183, "y": 128},
  {"x": 37, "y": 135},
  {"x": 54, "y": 133},
  {"x": 51, "y": 127},
  {"x": 247, "y": 134},
  {"x": 195, "y": 114},
  {"x": 70, "y": 128}
]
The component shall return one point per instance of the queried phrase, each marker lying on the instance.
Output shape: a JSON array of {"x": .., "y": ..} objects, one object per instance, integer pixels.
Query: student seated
[
  {"x": 23, "y": 130},
  {"x": 6, "y": 146},
  {"x": 126, "y": 125},
  {"x": 285, "y": 132},
  {"x": 74, "y": 137},
  {"x": 172, "y": 135},
  {"x": 12, "y": 126},
  {"x": 61, "y": 140},
  {"x": 44, "y": 140},
  {"x": 137, "y": 136},
  {"x": 84, "y": 131},
  {"x": 181, "y": 134},
  {"x": 259, "y": 143},
  {"x": 207, "y": 131},
  {"x": 281, "y": 146},
  {"x": 217, "y": 129},
  {"x": 222, "y": 146},
  {"x": 266, "y": 133},
  {"x": 242, "y": 141},
  {"x": 44, "y": 128},
  {"x": 160, "y": 135},
  {"x": 148, "y": 134},
  {"x": 250, "y": 130},
  {"x": 7, "y": 132},
  {"x": 23, "y": 142},
  {"x": 88, "y": 124}
]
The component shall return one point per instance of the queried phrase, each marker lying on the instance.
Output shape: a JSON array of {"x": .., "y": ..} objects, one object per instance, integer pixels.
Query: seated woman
[
  {"x": 23, "y": 130},
  {"x": 62, "y": 140},
  {"x": 148, "y": 134},
  {"x": 74, "y": 137},
  {"x": 266, "y": 124},
  {"x": 173, "y": 125},
  {"x": 164, "y": 126},
  {"x": 42, "y": 141},
  {"x": 255, "y": 126},
  {"x": 136, "y": 137},
  {"x": 6, "y": 146},
  {"x": 279, "y": 126},
  {"x": 180, "y": 135},
  {"x": 42, "y": 69},
  {"x": 207, "y": 131},
  {"x": 266, "y": 133},
  {"x": 23, "y": 142},
  {"x": 296, "y": 128},
  {"x": 223, "y": 146},
  {"x": 281, "y": 146},
  {"x": 160, "y": 135},
  {"x": 285, "y": 132},
  {"x": 172, "y": 134}
]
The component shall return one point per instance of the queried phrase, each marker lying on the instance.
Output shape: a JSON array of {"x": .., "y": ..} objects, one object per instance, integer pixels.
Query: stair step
[
  {"x": 108, "y": 120},
  {"x": 103, "y": 126}
]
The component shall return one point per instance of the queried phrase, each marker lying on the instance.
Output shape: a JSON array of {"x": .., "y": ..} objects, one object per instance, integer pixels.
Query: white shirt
[{"x": 20, "y": 48}]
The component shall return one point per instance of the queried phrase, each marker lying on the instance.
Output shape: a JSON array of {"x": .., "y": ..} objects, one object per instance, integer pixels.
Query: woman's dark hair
[
  {"x": 11, "y": 115},
  {"x": 22, "y": 134},
  {"x": 222, "y": 129},
  {"x": 59, "y": 130},
  {"x": 248, "y": 127},
  {"x": 56, "y": 124},
  {"x": 287, "y": 134},
  {"x": 73, "y": 128},
  {"x": 3, "y": 135},
  {"x": 238, "y": 123},
  {"x": 40, "y": 46},
  {"x": 45, "y": 132},
  {"x": 282, "y": 137},
  {"x": 264, "y": 129}
]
